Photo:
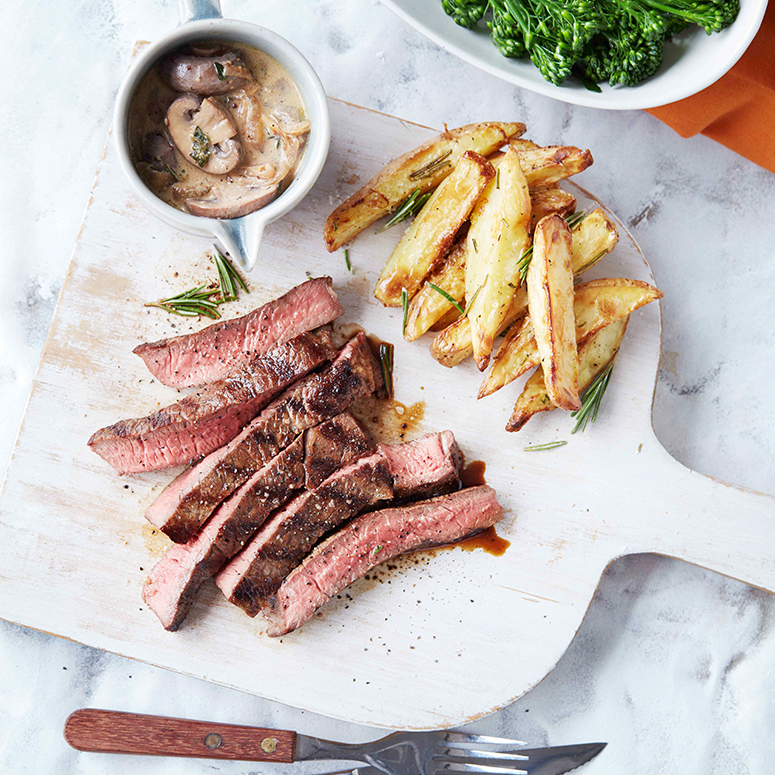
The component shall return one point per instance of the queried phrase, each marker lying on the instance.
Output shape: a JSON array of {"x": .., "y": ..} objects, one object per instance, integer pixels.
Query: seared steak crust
[
  {"x": 219, "y": 349},
  {"x": 284, "y": 541},
  {"x": 374, "y": 538},
  {"x": 190, "y": 499},
  {"x": 211, "y": 417},
  {"x": 173, "y": 583},
  {"x": 331, "y": 446}
]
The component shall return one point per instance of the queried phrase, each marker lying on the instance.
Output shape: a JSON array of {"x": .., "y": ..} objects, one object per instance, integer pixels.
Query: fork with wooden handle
[{"x": 402, "y": 753}]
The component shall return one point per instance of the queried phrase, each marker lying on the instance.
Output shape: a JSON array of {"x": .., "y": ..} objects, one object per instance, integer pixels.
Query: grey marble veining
[{"x": 674, "y": 666}]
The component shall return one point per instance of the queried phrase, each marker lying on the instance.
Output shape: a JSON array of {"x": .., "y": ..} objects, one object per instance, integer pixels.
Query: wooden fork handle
[{"x": 109, "y": 731}]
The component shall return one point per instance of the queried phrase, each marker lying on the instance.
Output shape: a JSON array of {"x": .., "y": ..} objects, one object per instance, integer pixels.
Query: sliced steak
[
  {"x": 211, "y": 417},
  {"x": 283, "y": 542},
  {"x": 172, "y": 585},
  {"x": 425, "y": 467},
  {"x": 190, "y": 499},
  {"x": 331, "y": 446},
  {"x": 374, "y": 538},
  {"x": 219, "y": 349}
]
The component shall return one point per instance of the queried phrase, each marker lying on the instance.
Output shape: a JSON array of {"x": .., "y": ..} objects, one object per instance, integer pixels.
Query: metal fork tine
[
  {"x": 480, "y": 768},
  {"x": 459, "y": 754},
  {"x": 463, "y": 740}
]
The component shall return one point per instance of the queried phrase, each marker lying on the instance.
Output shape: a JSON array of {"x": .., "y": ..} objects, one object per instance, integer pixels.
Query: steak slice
[
  {"x": 215, "y": 414},
  {"x": 427, "y": 466},
  {"x": 283, "y": 542},
  {"x": 331, "y": 446},
  {"x": 215, "y": 351},
  {"x": 374, "y": 538},
  {"x": 173, "y": 583},
  {"x": 190, "y": 499}
]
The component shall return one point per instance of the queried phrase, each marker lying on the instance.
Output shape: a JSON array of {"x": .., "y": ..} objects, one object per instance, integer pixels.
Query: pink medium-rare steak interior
[
  {"x": 283, "y": 542},
  {"x": 209, "y": 418},
  {"x": 215, "y": 351},
  {"x": 173, "y": 583},
  {"x": 190, "y": 499},
  {"x": 427, "y": 466},
  {"x": 374, "y": 538}
]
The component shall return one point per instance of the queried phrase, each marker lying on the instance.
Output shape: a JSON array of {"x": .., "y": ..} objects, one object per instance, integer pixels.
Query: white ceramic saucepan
[{"x": 201, "y": 20}]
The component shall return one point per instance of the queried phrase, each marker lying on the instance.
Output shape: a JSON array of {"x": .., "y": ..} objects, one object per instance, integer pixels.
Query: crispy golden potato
[
  {"x": 423, "y": 168},
  {"x": 497, "y": 238},
  {"x": 522, "y": 144},
  {"x": 427, "y": 240},
  {"x": 545, "y": 201},
  {"x": 595, "y": 236},
  {"x": 596, "y": 304},
  {"x": 551, "y": 163},
  {"x": 428, "y": 306},
  {"x": 594, "y": 355},
  {"x": 550, "y": 306}
]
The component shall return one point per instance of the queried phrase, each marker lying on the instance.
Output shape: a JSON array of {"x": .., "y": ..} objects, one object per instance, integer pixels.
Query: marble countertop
[{"x": 673, "y": 666}]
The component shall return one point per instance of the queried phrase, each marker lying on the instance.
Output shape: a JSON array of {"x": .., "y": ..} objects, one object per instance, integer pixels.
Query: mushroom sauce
[{"x": 217, "y": 129}]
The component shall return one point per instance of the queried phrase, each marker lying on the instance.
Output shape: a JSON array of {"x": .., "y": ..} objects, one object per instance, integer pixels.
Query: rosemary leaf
[
  {"x": 228, "y": 277},
  {"x": 201, "y": 150},
  {"x": 550, "y": 445},
  {"x": 574, "y": 219},
  {"x": 347, "y": 260},
  {"x": 409, "y": 207},
  {"x": 431, "y": 167},
  {"x": 190, "y": 303},
  {"x": 405, "y": 305},
  {"x": 592, "y": 399},
  {"x": 449, "y": 298},
  {"x": 473, "y": 299},
  {"x": 386, "y": 361}
]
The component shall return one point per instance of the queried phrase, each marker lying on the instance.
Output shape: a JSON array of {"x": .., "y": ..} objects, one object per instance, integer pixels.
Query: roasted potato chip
[
  {"x": 596, "y": 304},
  {"x": 593, "y": 237},
  {"x": 594, "y": 355},
  {"x": 497, "y": 238},
  {"x": 550, "y": 306},
  {"x": 427, "y": 240},
  {"x": 423, "y": 168}
]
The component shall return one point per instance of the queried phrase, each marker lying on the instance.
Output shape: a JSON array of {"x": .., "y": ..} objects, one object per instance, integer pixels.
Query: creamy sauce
[{"x": 272, "y": 129}]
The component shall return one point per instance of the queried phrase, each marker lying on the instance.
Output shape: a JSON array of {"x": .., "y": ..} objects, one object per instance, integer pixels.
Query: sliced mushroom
[
  {"x": 204, "y": 75},
  {"x": 204, "y": 133},
  {"x": 234, "y": 201}
]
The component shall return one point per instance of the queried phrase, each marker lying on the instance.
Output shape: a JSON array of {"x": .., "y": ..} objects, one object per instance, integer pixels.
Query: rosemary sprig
[
  {"x": 593, "y": 396},
  {"x": 431, "y": 167},
  {"x": 386, "y": 361},
  {"x": 573, "y": 220},
  {"x": 550, "y": 445},
  {"x": 405, "y": 306},
  {"x": 228, "y": 277},
  {"x": 409, "y": 207},
  {"x": 347, "y": 260},
  {"x": 190, "y": 303},
  {"x": 449, "y": 298}
]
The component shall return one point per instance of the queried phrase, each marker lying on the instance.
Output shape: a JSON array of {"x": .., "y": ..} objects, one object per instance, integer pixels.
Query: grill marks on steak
[
  {"x": 211, "y": 417},
  {"x": 374, "y": 538},
  {"x": 332, "y": 446},
  {"x": 215, "y": 351},
  {"x": 173, "y": 583},
  {"x": 283, "y": 542},
  {"x": 190, "y": 499}
]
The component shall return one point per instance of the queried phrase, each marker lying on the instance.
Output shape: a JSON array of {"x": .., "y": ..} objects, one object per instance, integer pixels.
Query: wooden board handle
[{"x": 109, "y": 731}]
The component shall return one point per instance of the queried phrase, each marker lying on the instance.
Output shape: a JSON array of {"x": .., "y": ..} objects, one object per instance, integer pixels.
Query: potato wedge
[
  {"x": 551, "y": 163},
  {"x": 550, "y": 306},
  {"x": 427, "y": 240},
  {"x": 424, "y": 168},
  {"x": 428, "y": 306},
  {"x": 596, "y": 304},
  {"x": 595, "y": 236},
  {"x": 594, "y": 355},
  {"x": 497, "y": 238},
  {"x": 546, "y": 201}
]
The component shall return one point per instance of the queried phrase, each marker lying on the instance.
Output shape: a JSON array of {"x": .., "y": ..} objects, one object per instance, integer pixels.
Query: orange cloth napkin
[{"x": 739, "y": 109}]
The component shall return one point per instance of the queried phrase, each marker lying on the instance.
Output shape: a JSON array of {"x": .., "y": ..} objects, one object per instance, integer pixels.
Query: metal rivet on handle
[
  {"x": 213, "y": 740},
  {"x": 269, "y": 745}
]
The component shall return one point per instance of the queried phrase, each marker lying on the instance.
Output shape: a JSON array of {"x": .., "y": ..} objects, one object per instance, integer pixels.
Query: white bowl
[
  {"x": 240, "y": 237},
  {"x": 693, "y": 60}
]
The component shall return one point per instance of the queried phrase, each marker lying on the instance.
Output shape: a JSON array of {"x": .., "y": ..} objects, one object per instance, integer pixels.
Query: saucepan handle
[
  {"x": 108, "y": 731},
  {"x": 194, "y": 10}
]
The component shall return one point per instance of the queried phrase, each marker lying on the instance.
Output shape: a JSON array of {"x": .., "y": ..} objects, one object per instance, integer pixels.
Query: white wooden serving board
[{"x": 439, "y": 641}]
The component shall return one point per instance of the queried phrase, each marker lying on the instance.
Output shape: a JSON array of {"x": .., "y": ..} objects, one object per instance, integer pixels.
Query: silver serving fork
[{"x": 401, "y": 753}]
